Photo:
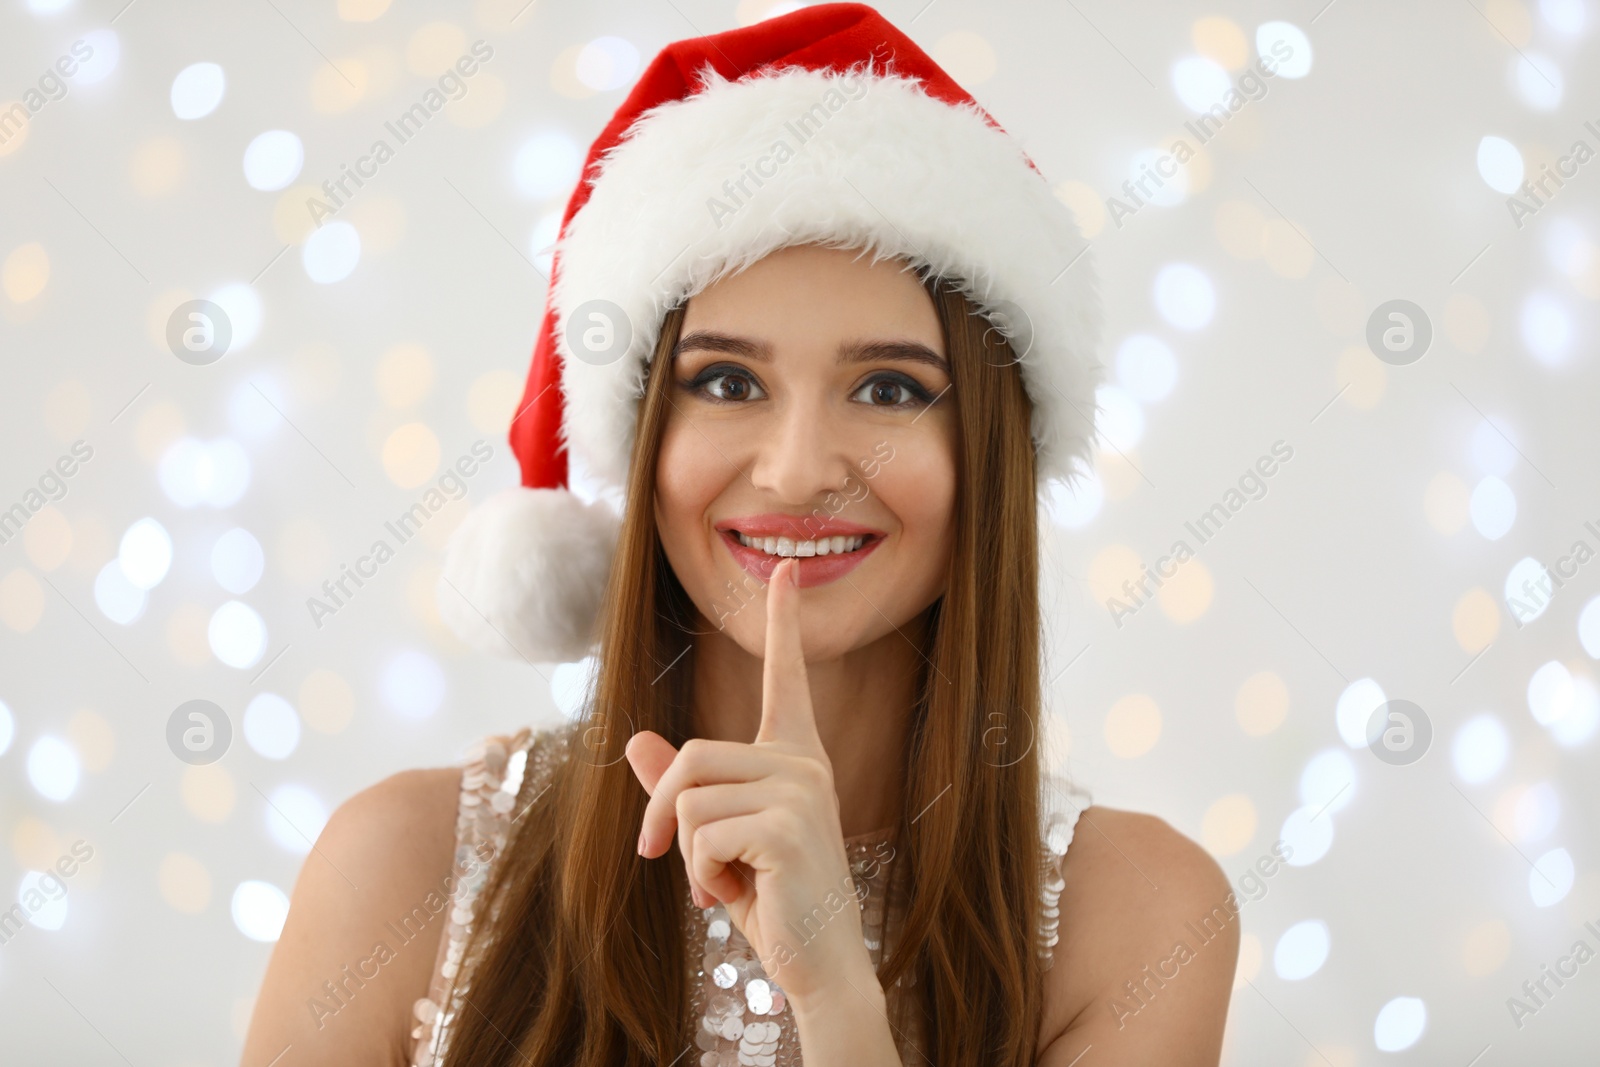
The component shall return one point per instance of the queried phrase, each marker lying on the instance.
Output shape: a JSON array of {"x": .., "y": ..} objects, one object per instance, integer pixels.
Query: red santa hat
[{"x": 824, "y": 126}]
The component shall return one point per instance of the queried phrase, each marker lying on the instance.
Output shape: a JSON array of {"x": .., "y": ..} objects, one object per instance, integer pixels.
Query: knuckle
[
  {"x": 818, "y": 774},
  {"x": 693, "y": 751},
  {"x": 703, "y": 843}
]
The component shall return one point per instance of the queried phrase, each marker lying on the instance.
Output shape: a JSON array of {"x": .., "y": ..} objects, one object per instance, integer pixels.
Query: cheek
[
  {"x": 919, "y": 486},
  {"x": 689, "y": 478}
]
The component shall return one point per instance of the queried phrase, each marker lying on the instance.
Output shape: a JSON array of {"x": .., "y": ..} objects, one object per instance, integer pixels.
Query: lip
[
  {"x": 814, "y": 570},
  {"x": 797, "y": 527}
]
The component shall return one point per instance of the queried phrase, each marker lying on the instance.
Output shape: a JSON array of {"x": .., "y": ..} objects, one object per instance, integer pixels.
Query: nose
[{"x": 801, "y": 455}]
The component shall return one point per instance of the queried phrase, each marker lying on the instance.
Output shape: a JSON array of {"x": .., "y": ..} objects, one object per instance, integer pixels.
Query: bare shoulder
[
  {"x": 1149, "y": 940},
  {"x": 364, "y": 924}
]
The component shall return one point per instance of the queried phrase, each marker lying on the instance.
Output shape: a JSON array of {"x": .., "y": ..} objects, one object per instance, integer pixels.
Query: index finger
[
  {"x": 650, "y": 755},
  {"x": 786, "y": 713}
]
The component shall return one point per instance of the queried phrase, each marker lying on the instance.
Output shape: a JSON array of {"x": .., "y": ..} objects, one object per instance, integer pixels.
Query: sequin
[
  {"x": 758, "y": 995},
  {"x": 770, "y": 1038},
  {"x": 744, "y": 1016},
  {"x": 481, "y": 820}
]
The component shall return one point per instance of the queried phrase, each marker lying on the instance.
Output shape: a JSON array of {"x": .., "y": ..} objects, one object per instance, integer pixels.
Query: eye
[
  {"x": 893, "y": 391},
  {"x": 725, "y": 383}
]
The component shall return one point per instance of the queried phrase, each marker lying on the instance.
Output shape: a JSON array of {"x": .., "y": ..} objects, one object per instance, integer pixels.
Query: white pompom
[{"x": 524, "y": 573}]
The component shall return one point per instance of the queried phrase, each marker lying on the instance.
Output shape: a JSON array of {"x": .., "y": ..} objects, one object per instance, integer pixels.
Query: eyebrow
[{"x": 849, "y": 351}]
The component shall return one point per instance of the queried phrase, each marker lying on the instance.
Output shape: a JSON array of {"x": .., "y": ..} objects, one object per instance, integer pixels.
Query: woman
[{"x": 818, "y": 632}]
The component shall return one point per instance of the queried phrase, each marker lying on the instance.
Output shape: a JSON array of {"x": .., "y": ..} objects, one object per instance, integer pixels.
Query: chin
[
  {"x": 824, "y": 635},
  {"x": 837, "y": 618}
]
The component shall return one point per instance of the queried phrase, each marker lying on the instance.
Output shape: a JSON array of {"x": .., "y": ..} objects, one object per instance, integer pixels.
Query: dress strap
[
  {"x": 1060, "y": 804},
  {"x": 495, "y": 772}
]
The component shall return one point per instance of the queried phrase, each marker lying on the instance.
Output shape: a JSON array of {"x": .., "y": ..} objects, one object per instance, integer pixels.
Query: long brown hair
[{"x": 578, "y": 956}]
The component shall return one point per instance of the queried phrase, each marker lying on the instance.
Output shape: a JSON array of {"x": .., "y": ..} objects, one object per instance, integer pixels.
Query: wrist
[
  {"x": 847, "y": 1022},
  {"x": 850, "y": 990}
]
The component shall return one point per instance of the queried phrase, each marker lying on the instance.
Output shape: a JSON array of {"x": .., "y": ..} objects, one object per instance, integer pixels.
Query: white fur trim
[
  {"x": 889, "y": 169},
  {"x": 524, "y": 573}
]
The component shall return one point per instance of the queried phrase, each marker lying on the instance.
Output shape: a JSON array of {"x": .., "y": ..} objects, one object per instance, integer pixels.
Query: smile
[
  {"x": 785, "y": 546},
  {"x": 827, "y": 550}
]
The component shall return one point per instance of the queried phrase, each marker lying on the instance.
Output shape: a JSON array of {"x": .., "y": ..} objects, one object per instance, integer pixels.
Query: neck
[{"x": 862, "y": 701}]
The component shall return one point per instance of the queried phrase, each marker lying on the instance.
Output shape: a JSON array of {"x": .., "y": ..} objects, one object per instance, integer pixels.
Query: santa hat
[{"x": 824, "y": 126}]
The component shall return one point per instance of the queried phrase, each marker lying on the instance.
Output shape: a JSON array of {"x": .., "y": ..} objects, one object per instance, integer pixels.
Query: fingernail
[{"x": 641, "y": 842}]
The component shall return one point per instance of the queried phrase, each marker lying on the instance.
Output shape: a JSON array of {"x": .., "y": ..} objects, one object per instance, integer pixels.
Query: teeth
[{"x": 786, "y": 546}]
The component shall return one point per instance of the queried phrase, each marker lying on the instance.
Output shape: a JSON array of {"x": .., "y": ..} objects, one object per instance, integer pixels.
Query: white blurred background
[{"x": 1402, "y": 552}]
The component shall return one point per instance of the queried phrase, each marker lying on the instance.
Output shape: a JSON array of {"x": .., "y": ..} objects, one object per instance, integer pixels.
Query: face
[{"x": 811, "y": 416}]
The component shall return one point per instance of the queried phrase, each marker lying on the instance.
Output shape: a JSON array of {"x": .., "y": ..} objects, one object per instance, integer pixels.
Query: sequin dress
[{"x": 744, "y": 1017}]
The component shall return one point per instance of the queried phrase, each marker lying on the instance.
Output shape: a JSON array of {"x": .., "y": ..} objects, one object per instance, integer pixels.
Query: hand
[{"x": 758, "y": 824}]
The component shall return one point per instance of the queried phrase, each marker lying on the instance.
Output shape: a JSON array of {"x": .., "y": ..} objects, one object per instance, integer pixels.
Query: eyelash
[{"x": 697, "y": 384}]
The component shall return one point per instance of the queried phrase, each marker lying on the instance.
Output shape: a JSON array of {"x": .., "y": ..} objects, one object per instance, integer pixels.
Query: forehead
[{"x": 811, "y": 296}]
